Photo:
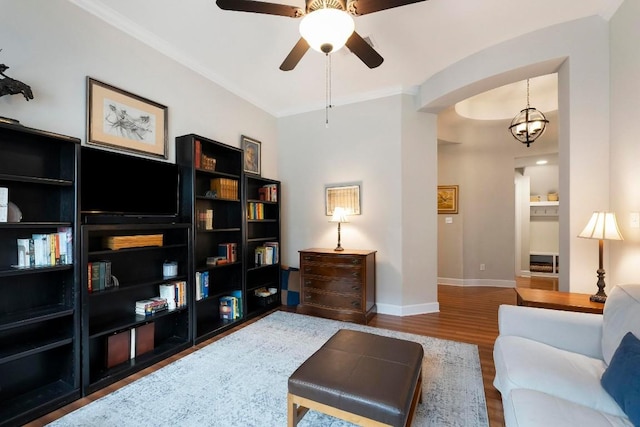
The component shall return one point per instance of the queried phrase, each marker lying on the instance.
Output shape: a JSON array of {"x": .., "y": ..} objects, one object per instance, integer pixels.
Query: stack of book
[
  {"x": 202, "y": 285},
  {"x": 147, "y": 307},
  {"x": 99, "y": 276},
  {"x": 225, "y": 188},
  {"x": 231, "y": 306},
  {"x": 268, "y": 193},
  {"x": 266, "y": 254},
  {"x": 175, "y": 293},
  {"x": 46, "y": 249},
  {"x": 255, "y": 210},
  {"x": 201, "y": 160},
  {"x": 228, "y": 251}
]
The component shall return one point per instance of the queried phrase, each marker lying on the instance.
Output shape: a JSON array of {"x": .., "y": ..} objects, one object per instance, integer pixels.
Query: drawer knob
[
  {"x": 307, "y": 269},
  {"x": 355, "y": 303},
  {"x": 307, "y": 282},
  {"x": 355, "y": 288},
  {"x": 307, "y": 258},
  {"x": 355, "y": 274},
  {"x": 355, "y": 261},
  {"x": 307, "y": 296}
]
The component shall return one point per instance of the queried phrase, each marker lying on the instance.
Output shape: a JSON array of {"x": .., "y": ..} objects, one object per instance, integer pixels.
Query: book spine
[
  {"x": 90, "y": 277},
  {"x": 4, "y": 204},
  {"x": 23, "y": 252},
  {"x": 197, "y": 157}
]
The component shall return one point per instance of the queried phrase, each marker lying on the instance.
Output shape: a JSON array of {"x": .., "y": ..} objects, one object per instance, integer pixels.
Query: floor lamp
[{"x": 602, "y": 226}]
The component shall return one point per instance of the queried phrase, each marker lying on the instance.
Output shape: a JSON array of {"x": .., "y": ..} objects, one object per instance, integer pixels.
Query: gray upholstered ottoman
[{"x": 363, "y": 378}]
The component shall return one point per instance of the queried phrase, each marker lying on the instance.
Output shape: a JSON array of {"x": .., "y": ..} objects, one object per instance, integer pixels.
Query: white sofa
[{"x": 549, "y": 362}]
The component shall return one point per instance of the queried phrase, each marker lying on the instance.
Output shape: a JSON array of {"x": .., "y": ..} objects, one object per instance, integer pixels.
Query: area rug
[{"x": 241, "y": 380}]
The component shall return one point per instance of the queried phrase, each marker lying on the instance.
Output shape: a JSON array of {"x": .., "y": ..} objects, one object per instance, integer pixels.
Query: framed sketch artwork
[
  {"x": 252, "y": 155},
  {"x": 124, "y": 121},
  {"x": 447, "y": 199}
]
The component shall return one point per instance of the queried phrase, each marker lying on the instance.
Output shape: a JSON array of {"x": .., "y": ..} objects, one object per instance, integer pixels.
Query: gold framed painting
[
  {"x": 447, "y": 199},
  {"x": 121, "y": 120}
]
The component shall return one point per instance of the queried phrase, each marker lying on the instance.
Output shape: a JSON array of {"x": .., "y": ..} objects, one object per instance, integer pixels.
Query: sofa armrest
[{"x": 567, "y": 330}]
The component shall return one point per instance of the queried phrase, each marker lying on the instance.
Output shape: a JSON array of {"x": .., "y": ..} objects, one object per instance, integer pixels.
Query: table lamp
[
  {"x": 602, "y": 226},
  {"x": 339, "y": 216}
]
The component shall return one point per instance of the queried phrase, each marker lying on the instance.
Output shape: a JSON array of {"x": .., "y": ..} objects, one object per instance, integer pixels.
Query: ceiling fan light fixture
[{"x": 327, "y": 30}]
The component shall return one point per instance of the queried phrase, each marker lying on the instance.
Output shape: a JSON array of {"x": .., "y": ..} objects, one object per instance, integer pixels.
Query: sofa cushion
[
  {"x": 621, "y": 315},
  {"x": 524, "y": 363},
  {"x": 531, "y": 408},
  {"x": 621, "y": 379}
]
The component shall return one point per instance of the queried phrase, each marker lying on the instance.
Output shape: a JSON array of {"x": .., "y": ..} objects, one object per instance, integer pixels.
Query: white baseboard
[
  {"x": 408, "y": 310},
  {"x": 477, "y": 282}
]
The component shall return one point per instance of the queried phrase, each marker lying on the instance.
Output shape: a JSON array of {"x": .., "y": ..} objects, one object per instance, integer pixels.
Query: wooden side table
[
  {"x": 338, "y": 285},
  {"x": 567, "y": 301}
]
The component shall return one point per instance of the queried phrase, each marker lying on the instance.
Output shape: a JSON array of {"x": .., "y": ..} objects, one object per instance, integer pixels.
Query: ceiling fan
[{"x": 326, "y": 25}]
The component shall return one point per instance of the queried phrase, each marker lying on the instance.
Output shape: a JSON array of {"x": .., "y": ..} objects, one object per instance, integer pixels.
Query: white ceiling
[{"x": 243, "y": 51}]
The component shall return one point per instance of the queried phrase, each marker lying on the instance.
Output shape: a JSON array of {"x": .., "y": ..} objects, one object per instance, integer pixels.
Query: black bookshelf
[{"x": 40, "y": 310}]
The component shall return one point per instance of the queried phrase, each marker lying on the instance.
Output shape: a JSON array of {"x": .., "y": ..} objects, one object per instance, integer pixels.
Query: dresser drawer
[
  {"x": 332, "y": 259},
  {"x": 331, "y": 284},
  {"x": 338, "y": 271},
  {"x": 334, "y": 301},
  {"x": 338, "y": 285}
]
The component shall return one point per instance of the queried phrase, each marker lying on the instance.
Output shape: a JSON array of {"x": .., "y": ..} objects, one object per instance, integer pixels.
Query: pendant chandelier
[{"x": 528, "y": 124}]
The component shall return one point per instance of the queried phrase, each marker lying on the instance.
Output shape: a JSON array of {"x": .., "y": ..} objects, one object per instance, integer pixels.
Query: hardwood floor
[{"x": 467, "y": 314}]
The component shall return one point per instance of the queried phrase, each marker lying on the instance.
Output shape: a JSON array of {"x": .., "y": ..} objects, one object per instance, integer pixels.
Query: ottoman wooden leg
[{"x": 295, "y": 412}]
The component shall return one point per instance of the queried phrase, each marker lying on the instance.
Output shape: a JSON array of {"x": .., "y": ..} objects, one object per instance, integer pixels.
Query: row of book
[
  {"x": 46, "y": 249},
  {"x": 255, "y": 210},
  {"x": 225, "y": 188},
  {"x": 202, "y": 285},
  {"x": 268, "y": 193},
  {"x": 229, "y": 251},
  {"x": 266, "y": 254},
  {"x": 231, "y": 306},
  {"x": 99, "y": 277},
  {"x": 204, "y": 219},
  {"x": 175, "y": 293},
  {"x": 201, "y": 160}
]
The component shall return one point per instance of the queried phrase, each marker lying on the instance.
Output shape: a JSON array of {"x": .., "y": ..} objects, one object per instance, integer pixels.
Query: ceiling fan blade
[
  {"x": 260, "y": 7},
  {"x": 295, "y": 55},
  {"x": 362, "y": 7},
  {"x": 364, "y": 51}
]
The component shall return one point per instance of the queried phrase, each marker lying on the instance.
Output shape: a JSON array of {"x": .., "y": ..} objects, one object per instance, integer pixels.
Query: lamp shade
[
  {"x": 339, "y": 215},
  {"x": 327, "y": 30},
  {"x": 602, "y": 226}
]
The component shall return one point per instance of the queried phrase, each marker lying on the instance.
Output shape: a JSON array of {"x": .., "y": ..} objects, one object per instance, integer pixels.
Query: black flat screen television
[{"x": 115, "y": 186}]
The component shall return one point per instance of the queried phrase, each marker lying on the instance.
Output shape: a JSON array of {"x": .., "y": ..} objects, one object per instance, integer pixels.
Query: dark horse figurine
[{"x": 9, "y": 86}]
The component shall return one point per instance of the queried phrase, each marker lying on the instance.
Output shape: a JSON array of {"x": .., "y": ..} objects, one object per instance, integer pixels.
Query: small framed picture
[
  {"x": 252, "y": 155},
  {"x": 447, "y": 199},
  {"x": 345, "y": 196},
  {"x": 121, "y": 120}
]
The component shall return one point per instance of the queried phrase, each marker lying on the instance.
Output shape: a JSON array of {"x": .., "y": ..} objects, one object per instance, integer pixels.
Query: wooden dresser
[{"x": 338, "y": 285}]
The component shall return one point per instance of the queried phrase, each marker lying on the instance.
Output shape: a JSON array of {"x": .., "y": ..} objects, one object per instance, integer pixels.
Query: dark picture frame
[
  {"x": 252, "y": 155},
  {"x": 124, "y": 121},
  {"x": 447, "y": 199}
]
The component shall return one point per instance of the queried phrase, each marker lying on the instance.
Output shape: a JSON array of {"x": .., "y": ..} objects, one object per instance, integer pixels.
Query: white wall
[
  {"x": 380, "y": 144},
  {"x": 579, "y": 52},
  {"x": 52, "y": 46},
  {"x": 625, "y": 146}
]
